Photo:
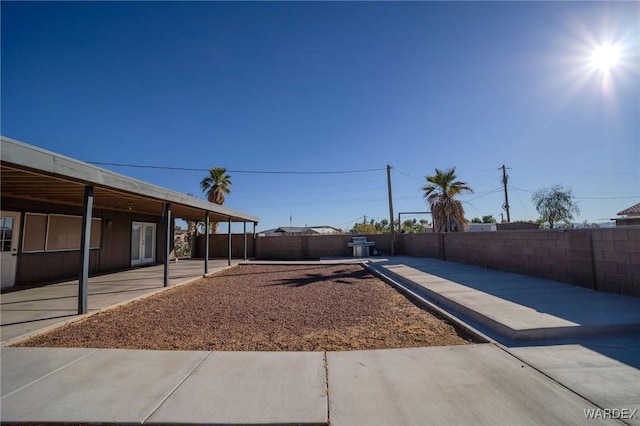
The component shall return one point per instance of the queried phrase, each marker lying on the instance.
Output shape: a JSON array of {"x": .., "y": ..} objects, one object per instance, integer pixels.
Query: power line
[
  {"x": 407, "y": 174},
  {"x": 485, "y": 194},
  {"x": 582, "y": 198},
  {"x": 143, "y": 166},
  {"x": 606, "y": 198}
]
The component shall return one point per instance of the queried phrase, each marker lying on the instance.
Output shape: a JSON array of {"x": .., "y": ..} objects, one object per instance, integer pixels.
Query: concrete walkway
[
  {"x": 515, "y": 306},
  {"x": 35, "y": 309},
  {"x": 552, "y": 380}
]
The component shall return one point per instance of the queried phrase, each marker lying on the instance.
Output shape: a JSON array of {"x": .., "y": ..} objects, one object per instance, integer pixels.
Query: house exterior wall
[{"x": 114, "y": 252}]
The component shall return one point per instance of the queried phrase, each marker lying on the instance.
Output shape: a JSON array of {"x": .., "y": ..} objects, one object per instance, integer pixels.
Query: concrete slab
[
  {"x": 27, "y": 311},
  {"x": 473, "y": 384},
  {"x": 24, "y": 366},
  {"x": 109, "y": 385},
  {"x": 608, "y": 383},
  {"x": 516, "y": 306},
  {"x": 251, "y": 388}
]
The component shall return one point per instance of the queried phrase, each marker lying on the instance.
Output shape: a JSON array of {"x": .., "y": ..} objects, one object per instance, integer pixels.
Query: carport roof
[{"x": 31, "y": 173}]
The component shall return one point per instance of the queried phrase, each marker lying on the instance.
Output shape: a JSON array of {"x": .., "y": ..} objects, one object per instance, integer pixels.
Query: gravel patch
[{"x": 265, "y": 308}]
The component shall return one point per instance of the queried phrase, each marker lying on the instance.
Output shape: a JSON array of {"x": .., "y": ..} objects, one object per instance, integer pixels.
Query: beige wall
[{"x": 603, "y": 259}]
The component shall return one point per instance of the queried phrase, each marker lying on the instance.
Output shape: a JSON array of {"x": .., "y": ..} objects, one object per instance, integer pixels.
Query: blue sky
[{"x": 335, "y": 86}]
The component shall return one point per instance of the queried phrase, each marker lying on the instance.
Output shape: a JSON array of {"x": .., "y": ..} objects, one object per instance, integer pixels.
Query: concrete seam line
[
  {"x": 568, "y": 389},
  {"x": 326, "y": 384},
  {"x": 50, "y": 373},
  {"x": 500, "y": 346},
  {"x": 175, "y": 388}
]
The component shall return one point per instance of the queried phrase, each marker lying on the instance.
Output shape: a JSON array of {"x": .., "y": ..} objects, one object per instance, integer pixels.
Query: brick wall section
[
  {"x": 218, "y": 246},
  {"x": 422, "y": 245},
  {"x": 313, "y": 246},
  {"x": 557, "y": 255},
  {"x": 617, "y": 260},
  {"x": 605, "y": 259},
  {"x": 516, "y": 226}
]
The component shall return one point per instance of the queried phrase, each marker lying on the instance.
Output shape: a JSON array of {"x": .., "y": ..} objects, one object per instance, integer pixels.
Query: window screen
[
  {"x": 57, "y": 232},
  {"x": 35, "y": 232}
]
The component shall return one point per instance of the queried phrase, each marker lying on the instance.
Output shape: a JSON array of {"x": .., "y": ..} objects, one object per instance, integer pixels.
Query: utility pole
[
  {"x": 393, "y": 232},
  {"x": 506, "y": 195}
]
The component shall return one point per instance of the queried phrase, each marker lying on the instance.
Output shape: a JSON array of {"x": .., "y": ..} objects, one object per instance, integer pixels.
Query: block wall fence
[{"x": 605, "y": 259}]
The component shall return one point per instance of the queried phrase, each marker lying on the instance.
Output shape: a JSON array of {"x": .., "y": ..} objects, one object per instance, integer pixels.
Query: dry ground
[{"x": 265, "y": 308}]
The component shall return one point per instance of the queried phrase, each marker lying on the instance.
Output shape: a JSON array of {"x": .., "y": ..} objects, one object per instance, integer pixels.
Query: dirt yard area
[{"x": 265, "y": 308}]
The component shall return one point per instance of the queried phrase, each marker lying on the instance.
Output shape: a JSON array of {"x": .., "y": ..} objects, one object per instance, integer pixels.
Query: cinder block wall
[
  {"x": 219, "y": 243},
  {"x": 617, "y": 259},
  {"x": 313, "y": 246},
  {"x": 557, "y": 255},
  {"x": 603, "y": 259},
  {"x": 422, "y": 245}
]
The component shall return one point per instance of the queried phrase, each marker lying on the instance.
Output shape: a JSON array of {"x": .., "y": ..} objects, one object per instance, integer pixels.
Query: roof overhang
[{"x": 31, "y": 173}]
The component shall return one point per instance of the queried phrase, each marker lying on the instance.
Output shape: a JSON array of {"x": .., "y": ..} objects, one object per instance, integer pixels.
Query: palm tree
[
  {"x": 216, "y": 184},
  {"x": 447, "y": 212}
]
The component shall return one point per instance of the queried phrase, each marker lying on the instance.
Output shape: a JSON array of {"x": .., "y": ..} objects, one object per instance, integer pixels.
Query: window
[
  {"x": 56, "y": 232},
  {"x": 35, "y": 232},
  {"x": 6, "y": 232}
]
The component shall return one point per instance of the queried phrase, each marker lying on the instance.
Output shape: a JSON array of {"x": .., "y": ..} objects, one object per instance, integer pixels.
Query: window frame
[{"x": 96, "y": 223}]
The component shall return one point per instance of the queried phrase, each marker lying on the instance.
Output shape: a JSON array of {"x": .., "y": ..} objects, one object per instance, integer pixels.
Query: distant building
[
  {"x": 482, "y": 227},
  {"x": 630, "y": 216},
  {"x": 298, "y": 230}
]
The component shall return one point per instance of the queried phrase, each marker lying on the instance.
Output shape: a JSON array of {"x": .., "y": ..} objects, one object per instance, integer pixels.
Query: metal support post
[
  {"x": 206, "y": 244},
  {"x": 167, "y": 242},
  {"x": 245, "y": 240},
  {"x": 85, "y": 245},
  {"x": 255, "y": 242},
  {"x": 229, "y": 241}
]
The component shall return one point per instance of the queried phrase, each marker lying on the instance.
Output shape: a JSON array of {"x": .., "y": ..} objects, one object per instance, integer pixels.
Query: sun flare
[{"x": 605, "y": 57}]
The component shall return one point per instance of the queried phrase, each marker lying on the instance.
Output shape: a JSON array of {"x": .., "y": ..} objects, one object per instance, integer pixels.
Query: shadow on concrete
[{"x": 579, "y": 305}]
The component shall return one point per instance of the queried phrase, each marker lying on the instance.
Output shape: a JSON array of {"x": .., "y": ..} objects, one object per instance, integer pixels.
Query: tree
[
  {"x": 364, "y": 228},
  {"x": 383, "y": 227},
  {"x": 447, "y": 212},
  {"x": 488, "y": 219},
  {"x": 216, "y": 184},
  {"x": 476, "y": 220},
  {"x": 555, "y": 204},
  {"x": 413, "y": 226}
]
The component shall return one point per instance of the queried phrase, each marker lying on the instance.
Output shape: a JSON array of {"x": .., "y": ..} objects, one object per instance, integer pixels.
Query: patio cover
[{"x": 32, "y": 173}]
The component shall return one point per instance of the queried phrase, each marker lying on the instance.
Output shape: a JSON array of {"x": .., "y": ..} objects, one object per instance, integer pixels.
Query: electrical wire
[
  {"x": 582, "y": 198},
  {"x": 327, "y": 172}
]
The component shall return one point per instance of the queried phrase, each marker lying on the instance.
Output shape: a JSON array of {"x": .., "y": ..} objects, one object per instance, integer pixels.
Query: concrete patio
[
  {"x": 34, "y": 309},
  {"x": 558, "y": 379}
]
